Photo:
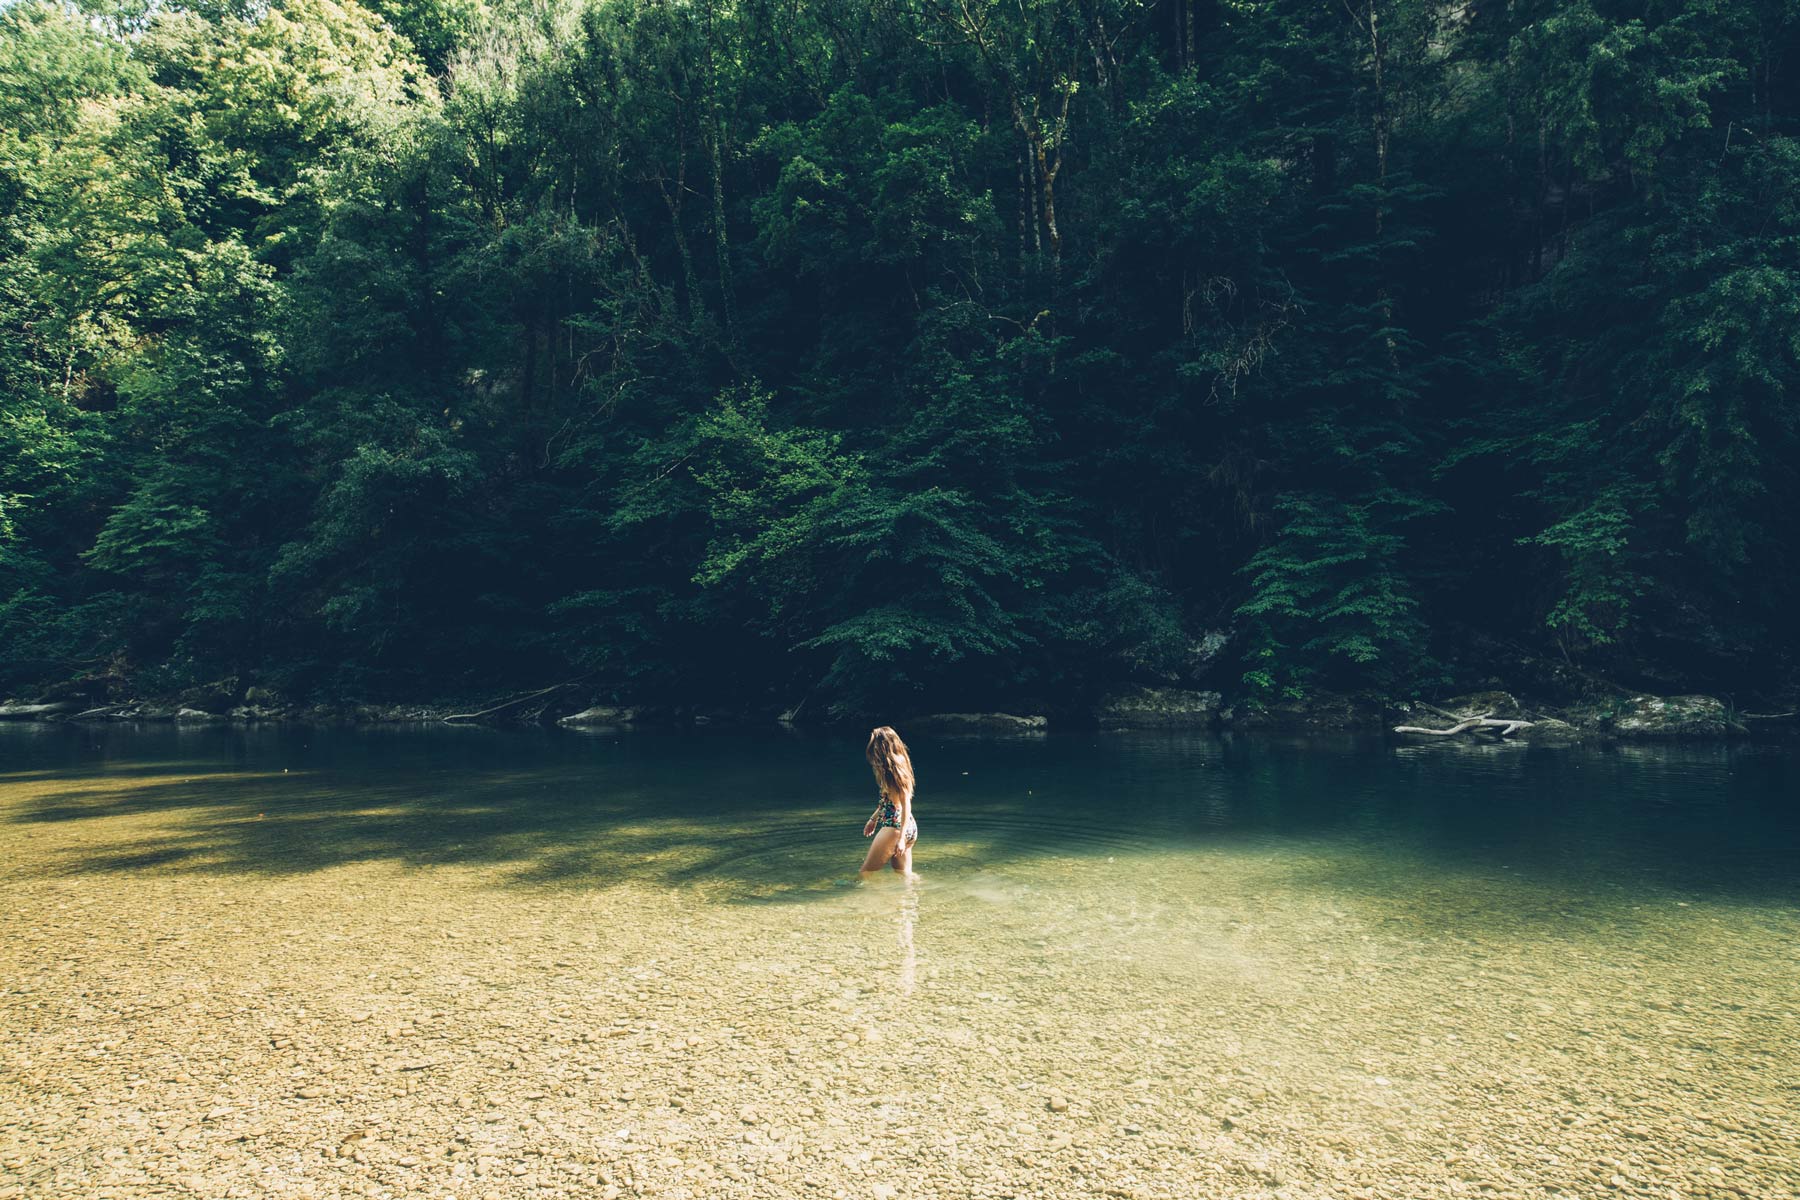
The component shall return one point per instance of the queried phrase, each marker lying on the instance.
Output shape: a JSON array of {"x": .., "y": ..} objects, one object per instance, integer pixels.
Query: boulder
[
  {"x": 1548, "y": 731},
  {"x": 1158, "y": 708},
  {"x": 196, "y": 715},
  {"x": 993, "y": 722},
  {"x": 1324, "y": 711},
  {"x": 602, "y": 714},
  {"x": 216, "y": 697},
  {"x": 1656, "y": 717}
]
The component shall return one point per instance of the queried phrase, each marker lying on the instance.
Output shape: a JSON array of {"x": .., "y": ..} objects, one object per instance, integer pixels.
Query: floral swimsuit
[{"x": 887, "y": 815}]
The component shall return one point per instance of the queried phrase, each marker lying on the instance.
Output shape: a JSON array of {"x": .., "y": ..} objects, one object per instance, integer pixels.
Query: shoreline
[{"x": 1482, "y": 716}]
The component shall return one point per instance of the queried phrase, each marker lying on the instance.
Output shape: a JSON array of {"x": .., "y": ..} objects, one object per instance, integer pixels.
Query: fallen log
[
  {"x": 94, "y": 714},
  {"x": 515, "y": 701},
  {"x": 1485, "y": 723},
  {"x": 12, "y": 711}
]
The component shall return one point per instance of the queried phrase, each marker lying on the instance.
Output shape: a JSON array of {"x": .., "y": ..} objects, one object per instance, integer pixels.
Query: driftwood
[
  {"x": 94, "y": 714},
  {"x": 513, "y": 703},
  {"x": 1486, "y": 723}
]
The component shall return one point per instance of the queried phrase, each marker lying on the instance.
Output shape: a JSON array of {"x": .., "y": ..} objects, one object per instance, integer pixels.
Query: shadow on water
[
  {"x": 758, "y": 818},
  {"x": 742, "y": 816}
]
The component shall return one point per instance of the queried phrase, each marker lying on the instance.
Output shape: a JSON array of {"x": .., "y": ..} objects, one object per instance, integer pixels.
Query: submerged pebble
[{"x": 1310, "y": 1016}]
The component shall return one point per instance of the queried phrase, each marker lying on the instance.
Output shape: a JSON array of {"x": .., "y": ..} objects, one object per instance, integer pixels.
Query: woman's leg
[
  {"x": 902, "y": 859},
  {"x": 887, "y": 839}
]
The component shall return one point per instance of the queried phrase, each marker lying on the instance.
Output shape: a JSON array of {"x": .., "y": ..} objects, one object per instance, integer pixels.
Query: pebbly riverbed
[{"x": 323, "y": 964}]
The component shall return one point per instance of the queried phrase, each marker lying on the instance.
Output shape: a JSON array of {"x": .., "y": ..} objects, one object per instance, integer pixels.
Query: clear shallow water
[{"x": 1156, "y": 966}]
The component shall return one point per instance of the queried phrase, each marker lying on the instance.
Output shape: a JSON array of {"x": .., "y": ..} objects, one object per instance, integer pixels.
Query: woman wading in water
[{"x": 891, "y": 825}]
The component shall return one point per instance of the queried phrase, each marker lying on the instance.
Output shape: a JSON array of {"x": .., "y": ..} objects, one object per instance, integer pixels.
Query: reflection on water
[
  {"x": 909, "y": 954},
  {"x": 1159, "y": 966}
]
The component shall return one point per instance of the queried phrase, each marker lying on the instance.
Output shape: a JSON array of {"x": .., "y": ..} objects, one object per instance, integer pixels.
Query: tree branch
[
  {"x": 1505, "y": 728},
  {"x": 517, "y": 700}
]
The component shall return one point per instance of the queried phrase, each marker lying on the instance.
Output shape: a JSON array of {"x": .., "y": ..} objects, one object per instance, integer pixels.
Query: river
[{"x": 454, "y": 962}]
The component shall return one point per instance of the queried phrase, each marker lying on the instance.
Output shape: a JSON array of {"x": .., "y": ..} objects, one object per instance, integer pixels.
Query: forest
[{"x": 891, "y": 355}]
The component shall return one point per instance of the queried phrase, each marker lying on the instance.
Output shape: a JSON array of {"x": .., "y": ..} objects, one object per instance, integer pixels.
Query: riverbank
[{"x": 1623, "y": 716}]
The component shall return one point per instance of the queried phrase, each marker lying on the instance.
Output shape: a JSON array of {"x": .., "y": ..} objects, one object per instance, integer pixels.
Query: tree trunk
[
  {"x": 528, "y": 373},
  {"x": 1026, "y": 217},
  {"x": 720, "y": 237},
  {"x": 1383, "y": 128},
  {"x": 1048, "y": 174},
  {"x": 696, "y": 304},
  {"x": 1037, "y": 224}
]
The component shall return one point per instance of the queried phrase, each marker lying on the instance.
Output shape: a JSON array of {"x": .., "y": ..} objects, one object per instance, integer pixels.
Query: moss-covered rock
[
  {"x": 216, "y": 697},
  {"x": 978, "y": 722},
  {"x": 1655, "y": 717},
  {"x": 1548, "y": 731},
  {"x": 1318, "y": 712},
  {"x": 1158, "y": 708}
]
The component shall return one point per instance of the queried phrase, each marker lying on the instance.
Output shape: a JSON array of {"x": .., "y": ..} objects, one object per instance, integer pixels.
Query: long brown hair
[{"x": 889, "y": 760}]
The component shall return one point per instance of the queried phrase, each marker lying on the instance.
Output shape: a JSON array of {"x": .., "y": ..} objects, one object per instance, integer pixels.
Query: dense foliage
[{"x": 898, "y": 353}]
